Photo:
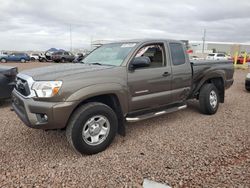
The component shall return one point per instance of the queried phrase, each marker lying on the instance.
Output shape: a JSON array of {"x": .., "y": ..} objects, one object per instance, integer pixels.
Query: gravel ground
[{"x": 182, "y": 149}]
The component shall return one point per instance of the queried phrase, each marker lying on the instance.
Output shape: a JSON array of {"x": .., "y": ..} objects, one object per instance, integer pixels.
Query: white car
[
  {"x": 194, "y": 57},
  {"x": 217, "y": 56},
  {"x": 34, "y": 57}
]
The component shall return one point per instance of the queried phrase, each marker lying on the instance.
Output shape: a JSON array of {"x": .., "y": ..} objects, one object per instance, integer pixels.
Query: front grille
[{"x": 22, "y": 87}]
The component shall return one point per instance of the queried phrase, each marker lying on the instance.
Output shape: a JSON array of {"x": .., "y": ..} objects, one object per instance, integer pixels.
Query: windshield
[
  {"x": 109, "y": 54},
  {"x": 211, "y": 55}
]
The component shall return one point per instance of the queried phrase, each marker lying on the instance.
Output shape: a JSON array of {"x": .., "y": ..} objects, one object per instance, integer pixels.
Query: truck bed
[{"x": 201, "y": 68}]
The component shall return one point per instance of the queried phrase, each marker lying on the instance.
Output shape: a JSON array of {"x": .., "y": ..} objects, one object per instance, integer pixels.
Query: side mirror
[{"x": 139, "y": 62}]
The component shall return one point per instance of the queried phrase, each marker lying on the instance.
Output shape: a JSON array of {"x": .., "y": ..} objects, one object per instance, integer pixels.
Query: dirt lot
[{"x": 183, "y": 149}]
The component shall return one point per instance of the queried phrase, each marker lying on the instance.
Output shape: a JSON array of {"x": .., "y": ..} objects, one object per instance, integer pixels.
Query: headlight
[{"x": 46, "y": 88}]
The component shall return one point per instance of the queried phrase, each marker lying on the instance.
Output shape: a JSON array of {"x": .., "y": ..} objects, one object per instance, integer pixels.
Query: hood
[
  {"x": 5, "y": 68},
  {"x": 62, "y": 71}
]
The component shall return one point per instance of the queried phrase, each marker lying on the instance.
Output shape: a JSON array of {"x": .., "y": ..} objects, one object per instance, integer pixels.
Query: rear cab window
[{"x": 177, "y": 54}]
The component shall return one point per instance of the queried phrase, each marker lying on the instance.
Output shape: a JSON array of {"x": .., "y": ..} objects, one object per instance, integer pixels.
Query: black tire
[
  {"x": 204, "y": 98},
  {"x": 32, "y": 59},
  {"x": 78, "y": 121},
  {"x": 63, "y": 60},
  {"x": 3, "y": 60},
  {"x": 22, "y": 60}
]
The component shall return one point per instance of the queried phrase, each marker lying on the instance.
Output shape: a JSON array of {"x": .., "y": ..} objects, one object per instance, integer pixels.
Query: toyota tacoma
[{"x": 119, "y": 82}]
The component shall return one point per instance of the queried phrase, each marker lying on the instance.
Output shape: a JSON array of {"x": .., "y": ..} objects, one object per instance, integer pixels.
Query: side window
[
  {"x": 155, "y": 53},
  {"x": 221, "y": 55},
  {"x": 177, "y": 54},
  {"x": 66, "y": 53}
]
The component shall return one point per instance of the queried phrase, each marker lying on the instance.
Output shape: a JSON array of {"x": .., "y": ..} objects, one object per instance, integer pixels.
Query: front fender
[{"x": 102, "y": 89}]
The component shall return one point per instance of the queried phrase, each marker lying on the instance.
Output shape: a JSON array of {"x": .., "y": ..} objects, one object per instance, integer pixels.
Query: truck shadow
[
  {"x": 193, "y": 105},
  {"x": 5, "y": 103}
]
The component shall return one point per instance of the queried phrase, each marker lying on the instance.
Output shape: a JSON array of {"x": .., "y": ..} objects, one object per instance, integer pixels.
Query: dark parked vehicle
[
  {"x": 22, "y": 57},
  {"x": 247, "y": 82},
  {"x": 42, "y": 58},
  {"x": 62, "y": 56},
  {"x": 7, "y": 81},
  {"x": 130, "y": 81}
]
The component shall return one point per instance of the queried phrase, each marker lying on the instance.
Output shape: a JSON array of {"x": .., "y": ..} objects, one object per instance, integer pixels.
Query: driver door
[{"x": 150, "y": 86}]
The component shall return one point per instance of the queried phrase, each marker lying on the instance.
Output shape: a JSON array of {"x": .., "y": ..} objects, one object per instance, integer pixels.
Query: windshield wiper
[{"x": 96, "y": 63}]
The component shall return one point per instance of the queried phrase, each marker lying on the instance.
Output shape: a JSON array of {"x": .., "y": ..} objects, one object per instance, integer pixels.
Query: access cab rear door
[{"x": 181, "y": 72}]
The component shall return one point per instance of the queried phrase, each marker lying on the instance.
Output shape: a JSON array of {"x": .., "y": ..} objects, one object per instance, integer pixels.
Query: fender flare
[
  {"x": 118, "y": 90},
  {"x": 211, "y": 75}
]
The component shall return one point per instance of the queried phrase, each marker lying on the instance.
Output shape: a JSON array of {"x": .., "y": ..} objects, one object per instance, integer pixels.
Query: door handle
[{"x": 166, "y": 74}]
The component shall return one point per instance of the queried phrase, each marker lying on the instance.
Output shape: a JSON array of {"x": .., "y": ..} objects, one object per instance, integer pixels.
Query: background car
[
  {"x": 240, "y": 59},
  {"x": 7, "y": 81},
  {"x": 62, "y": 56},
  {"x": 218, "y": 56},
  {"x": 194, "y": 57},
  {"x": 22, "y": 57},
  {"x": 42, "y": 58},
  {"x": 79, "y": 57},
  {"x": 247, "y": 82},
  {"x": 34, "y": 57}
]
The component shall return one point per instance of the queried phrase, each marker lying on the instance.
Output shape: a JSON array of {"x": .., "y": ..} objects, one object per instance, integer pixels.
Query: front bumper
[{"x": 32, "y": 112}]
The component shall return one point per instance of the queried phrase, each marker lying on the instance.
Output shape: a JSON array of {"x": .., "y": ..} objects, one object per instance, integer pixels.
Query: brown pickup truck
[{"x": 117, "y": 82}]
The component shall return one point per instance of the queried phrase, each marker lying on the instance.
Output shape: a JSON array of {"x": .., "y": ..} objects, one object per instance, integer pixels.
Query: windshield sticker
[{"x": 128, "y": 45}]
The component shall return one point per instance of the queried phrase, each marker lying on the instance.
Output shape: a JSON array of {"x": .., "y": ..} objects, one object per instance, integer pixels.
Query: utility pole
[
  {"x": 70, "y": 35},
  {"x": 204, "y": 40},
  {"x": 91, "y": 42}
]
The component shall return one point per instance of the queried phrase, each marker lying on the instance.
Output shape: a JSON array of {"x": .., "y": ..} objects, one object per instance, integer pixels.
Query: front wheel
[
  {"x": 92, "y": 128},
  {"x": 63, "y": 60},
  {"x": 3, "y": 60},
  {"x": 209, "y": 99}
]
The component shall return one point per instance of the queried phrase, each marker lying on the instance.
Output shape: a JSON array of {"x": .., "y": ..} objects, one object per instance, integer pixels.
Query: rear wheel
[
  {"x": 209, "y": 99},
  {"x": 23, "y": 60},
  {"x": 92, "y": 128}
]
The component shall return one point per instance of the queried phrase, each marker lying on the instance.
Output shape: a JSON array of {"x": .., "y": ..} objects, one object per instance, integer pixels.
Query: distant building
[{"x": 226, "y": 47}]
